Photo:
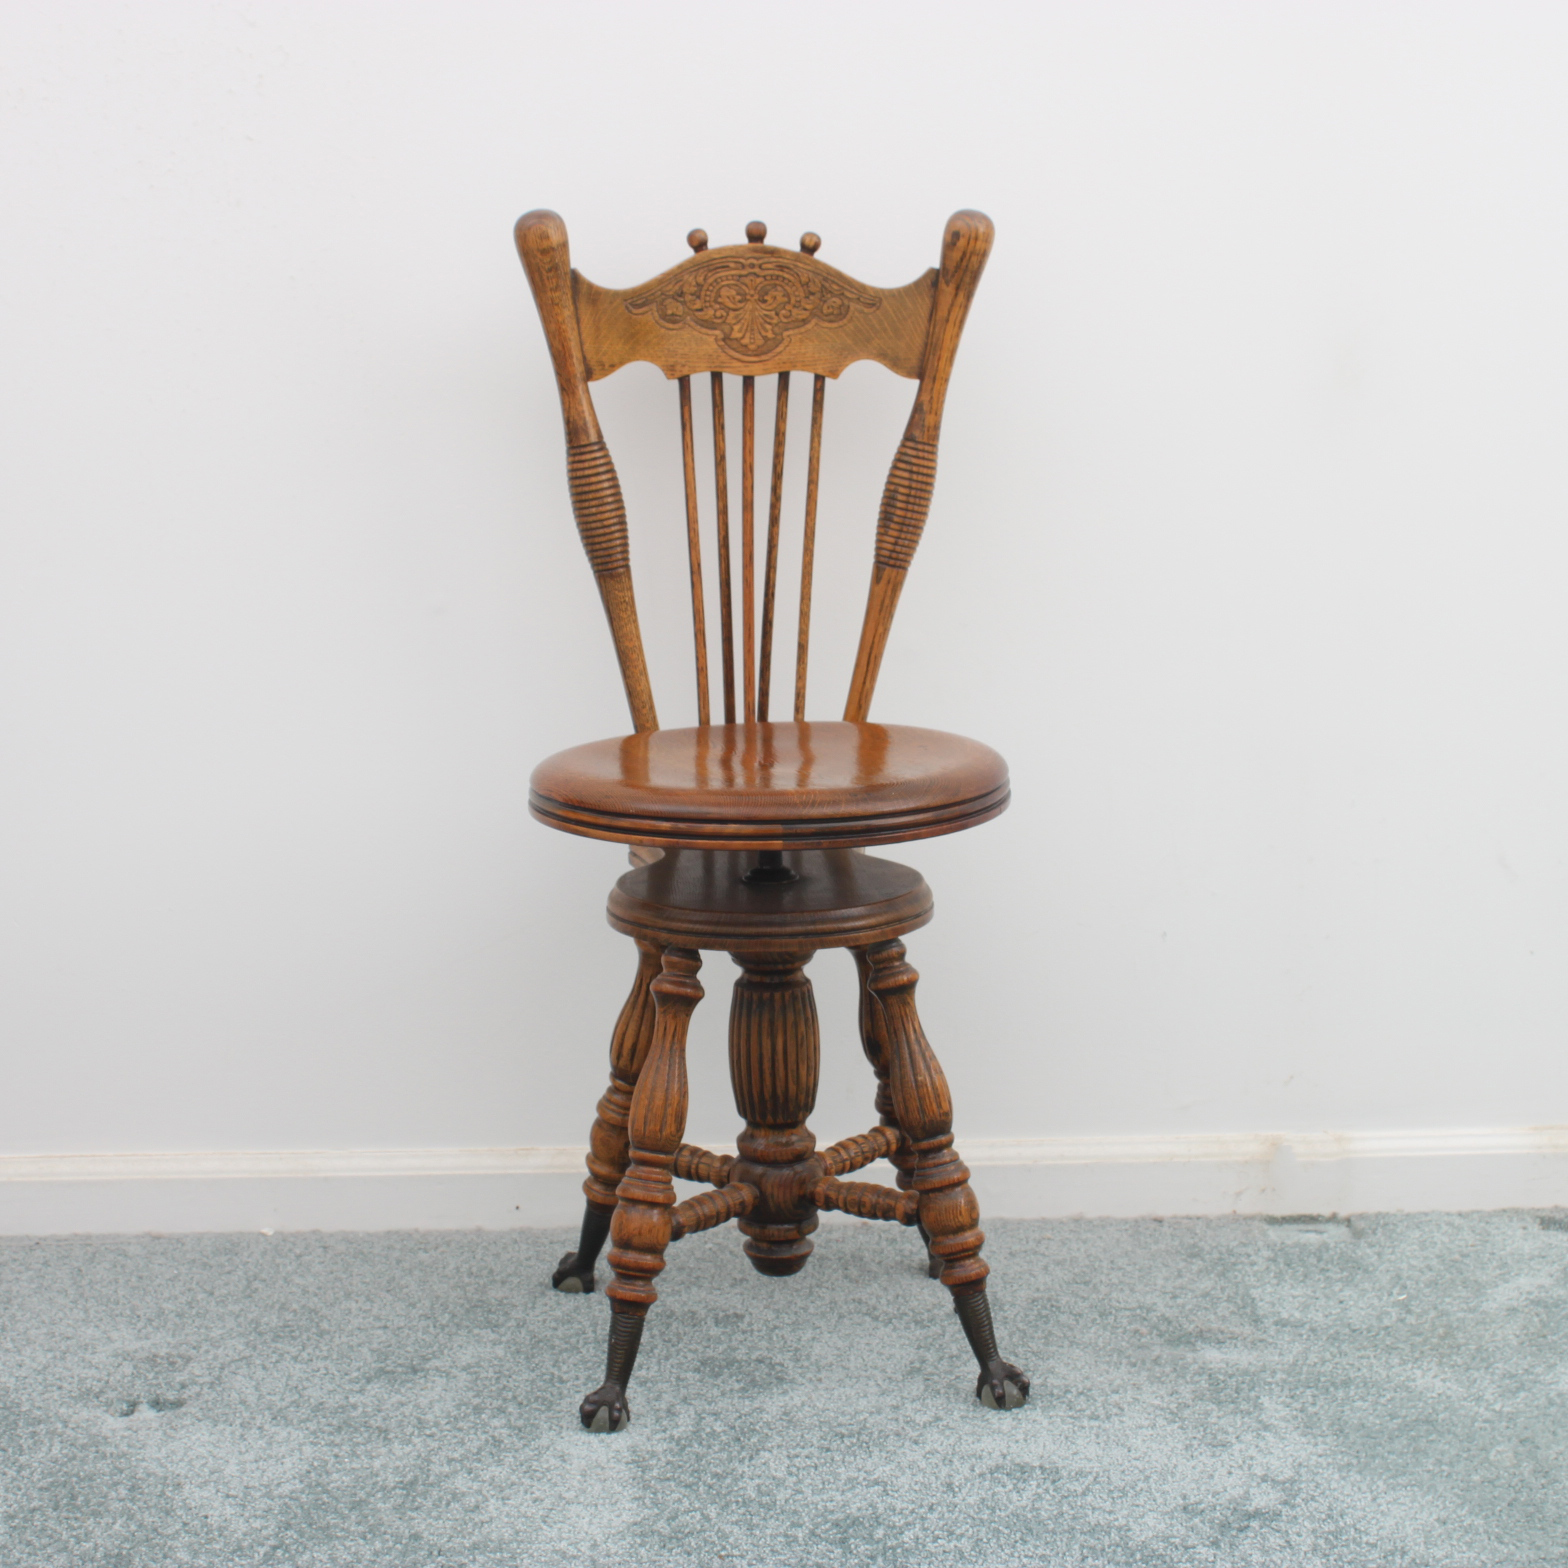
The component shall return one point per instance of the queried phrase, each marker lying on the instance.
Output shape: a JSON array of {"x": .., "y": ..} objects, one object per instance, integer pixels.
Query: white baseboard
[{"x": 447, "y": 1189}]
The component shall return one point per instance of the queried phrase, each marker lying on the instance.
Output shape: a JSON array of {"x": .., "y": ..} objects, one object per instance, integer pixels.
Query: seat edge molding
[{"x": 822, "y": 833}]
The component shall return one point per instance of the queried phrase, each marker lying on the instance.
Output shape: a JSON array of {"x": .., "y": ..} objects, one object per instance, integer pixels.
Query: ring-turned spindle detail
[
  {"x": 709, "y": 1209},
  {"x": 694, "y": 1164},
  {"x": 598, "y": 506},
  {"x": 866, "y": 1200},
  {"x": 850, "y": 1154},
  {"x": 546, "y": 257},
  {"x": 906, "y": 502}
]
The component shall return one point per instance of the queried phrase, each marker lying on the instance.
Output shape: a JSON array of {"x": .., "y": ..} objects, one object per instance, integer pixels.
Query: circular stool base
[{"x": 700, "y": 898}]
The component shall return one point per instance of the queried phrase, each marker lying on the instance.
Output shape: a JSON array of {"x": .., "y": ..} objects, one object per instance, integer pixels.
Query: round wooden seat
[{"x": 780, "y": 785}]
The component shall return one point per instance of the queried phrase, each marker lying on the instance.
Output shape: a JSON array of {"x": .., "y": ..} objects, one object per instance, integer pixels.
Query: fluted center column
[{"x": 775, "y": 1061}]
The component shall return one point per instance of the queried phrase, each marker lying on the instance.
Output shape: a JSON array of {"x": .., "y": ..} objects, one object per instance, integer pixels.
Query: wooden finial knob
[
  {"x": 698, "y": 239},
  {"x": 756, "y": 232},
  {"x": 810, "y": 243}
]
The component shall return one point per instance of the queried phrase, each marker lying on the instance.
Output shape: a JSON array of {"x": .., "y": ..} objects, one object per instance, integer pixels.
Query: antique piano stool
[{"x": 751, "y": 833}]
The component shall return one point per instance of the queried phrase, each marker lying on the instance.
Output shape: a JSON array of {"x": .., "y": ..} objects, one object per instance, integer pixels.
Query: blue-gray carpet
[{"x": 1389, "y": 1391}]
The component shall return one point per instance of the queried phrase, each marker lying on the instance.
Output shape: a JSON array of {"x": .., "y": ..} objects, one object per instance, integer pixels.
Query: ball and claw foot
[
  {"x": 571, "y": 1280},
  {"x": 1001, "y": 1387},
  {"x": 606, "y": 1410}
]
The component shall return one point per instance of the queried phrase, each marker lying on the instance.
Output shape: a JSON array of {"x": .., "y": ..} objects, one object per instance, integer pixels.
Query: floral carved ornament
[{"x": 752, "y": 304}]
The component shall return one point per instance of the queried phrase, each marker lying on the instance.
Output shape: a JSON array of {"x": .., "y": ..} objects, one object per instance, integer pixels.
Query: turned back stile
[{"x": 749, "y": 311}]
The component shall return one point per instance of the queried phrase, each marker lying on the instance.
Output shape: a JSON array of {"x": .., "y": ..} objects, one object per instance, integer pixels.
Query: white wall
[{"x": 1250, "y": 551}]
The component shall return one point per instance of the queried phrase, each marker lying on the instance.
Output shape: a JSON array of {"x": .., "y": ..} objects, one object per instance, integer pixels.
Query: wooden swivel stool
[{"x": 751, "y": 833}]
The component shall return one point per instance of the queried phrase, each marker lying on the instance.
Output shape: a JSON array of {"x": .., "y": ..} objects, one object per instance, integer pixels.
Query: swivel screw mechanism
[{"x": 770, "y": 868}]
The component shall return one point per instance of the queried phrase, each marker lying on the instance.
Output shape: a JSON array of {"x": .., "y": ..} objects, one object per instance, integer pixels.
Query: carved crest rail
[{"x": 750, "y": 310}]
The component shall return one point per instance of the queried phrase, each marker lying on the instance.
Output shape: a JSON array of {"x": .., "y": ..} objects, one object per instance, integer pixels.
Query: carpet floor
[{"x": 1389, "y": 1390}]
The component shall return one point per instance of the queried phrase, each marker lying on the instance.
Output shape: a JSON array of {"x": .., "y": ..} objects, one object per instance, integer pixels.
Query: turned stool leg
[
  {"x": 640, "y": 1230},
  {"x": 607, "y": 1154},
  {"x": 948, "y": 1211},
  {"x": 873, "y": 1041},
  {"x": 775, "y": 1062}
]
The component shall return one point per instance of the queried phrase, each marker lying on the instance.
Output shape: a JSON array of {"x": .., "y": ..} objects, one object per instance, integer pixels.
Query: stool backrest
[{"x": 750, "y": 310}]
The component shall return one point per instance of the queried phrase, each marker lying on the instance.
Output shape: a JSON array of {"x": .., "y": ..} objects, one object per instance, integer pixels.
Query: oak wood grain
[
  {"x": 748, "y": 544},
  {"x": 721, "y": 487},
  {"x": 850, "y": 1154},
  {"x": 839, "y": 898},
  {"x": 770, "y": 575},
  {"x": 699, "y": 626},
  {"x": 751, "y": 310},
  {"x": 775, "y": 1063},
  {"x": 681, "y": 320},
  {"x": 607, "y": 1145},
  {"x": 640, "y": 1231},
  {"x": 767, "y": 786},
  {"x": 906, "y": 498},
  {"x": 924, "y": 1108},
  {"x": 708, "y": 1209},
  {"x": 591, "y": 477},
  {"x": 867, "y": 1200},
  {"x": 696, "y": 1164},
  {"x": 747, "y": 835},
  {"x": 808, "y": 544}
]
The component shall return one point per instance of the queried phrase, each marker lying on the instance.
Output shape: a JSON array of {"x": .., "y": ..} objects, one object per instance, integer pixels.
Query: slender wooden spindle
[
  {"x": 808, "y": 548},
  {"x": 748, "y": 542},
  {"x": 721, "y": 484},
  {"x": 756, "y": 233},
  {"x": 698, "y": 240},
  {"x": 699, "y": 627},
  {"x": 771, "y": 569}
]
